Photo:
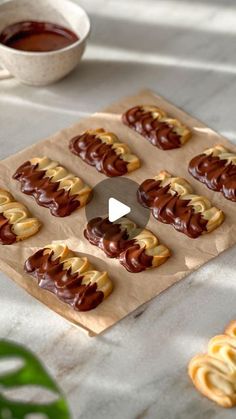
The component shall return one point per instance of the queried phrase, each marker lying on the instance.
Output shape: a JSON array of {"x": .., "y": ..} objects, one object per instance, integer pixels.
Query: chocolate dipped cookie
[
  {"x": 154, "y": 124},
  {"x": 172, "y": 201},
  {"x": 216, "y": 168},
  {"x": 136, "y": 250},
  {"x": 16, "y": 222},
  {"x": 214, "y": 373},
  {"x": 70, "y": 277},
  {"x": 52, "y": 186},
  {"x": 104, "y": 151}
]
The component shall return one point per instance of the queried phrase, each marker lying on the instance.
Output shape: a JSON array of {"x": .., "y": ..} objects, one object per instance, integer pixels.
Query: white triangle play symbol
[{"x": 116, "y": 209}]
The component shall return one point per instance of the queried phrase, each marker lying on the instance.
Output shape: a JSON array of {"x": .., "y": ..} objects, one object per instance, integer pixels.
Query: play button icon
[
  {"x": 116, "y": 198},
  {"x": 117, "y": 209}
]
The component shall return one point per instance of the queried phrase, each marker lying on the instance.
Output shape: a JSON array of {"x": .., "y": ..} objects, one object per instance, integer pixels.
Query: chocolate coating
[
  {"x": 158, "y": 133},
  {"x": 170, "y": 208},
  {"x": 135, "y": 259},
  {"x": 37, "y": 36},
  {"x": 6, "y": 234},
  {"x": 96, "y": 153},
  {"x": 115, "y": 243},
  {"x": 217, "y": 174},
  {"x": 46, "y": 192},
  {"x": 66, "y": 286}
]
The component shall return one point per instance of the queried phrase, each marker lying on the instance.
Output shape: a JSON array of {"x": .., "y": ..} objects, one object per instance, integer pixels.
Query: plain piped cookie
[{"x": 214, "y": 373}]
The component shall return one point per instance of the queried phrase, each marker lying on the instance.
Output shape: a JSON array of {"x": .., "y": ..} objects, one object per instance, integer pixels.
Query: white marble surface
[{"x": 185, "y": 50}]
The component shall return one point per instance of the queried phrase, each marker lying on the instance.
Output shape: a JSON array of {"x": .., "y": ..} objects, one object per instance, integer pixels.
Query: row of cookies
[
  {"x": 73, "y": 279},
  {"x": 54, "y": 187},
  {"x": 171, "y": 199},
  {"x": 136, "y": 249},
  {"x": 215, "y": 167}
]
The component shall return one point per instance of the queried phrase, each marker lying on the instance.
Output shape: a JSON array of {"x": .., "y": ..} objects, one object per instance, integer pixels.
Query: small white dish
[{"x": 43, "y": 68}]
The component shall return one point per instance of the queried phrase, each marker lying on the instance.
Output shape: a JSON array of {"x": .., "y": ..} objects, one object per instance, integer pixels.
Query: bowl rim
[{"x": 81, "y": 40}]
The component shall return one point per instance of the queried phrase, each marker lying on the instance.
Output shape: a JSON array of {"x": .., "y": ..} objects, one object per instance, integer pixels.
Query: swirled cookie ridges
[
  {"x": 52, "y": 186},
  {"x": 154, "y": 124},
  {"x": 71, "y": 278}
]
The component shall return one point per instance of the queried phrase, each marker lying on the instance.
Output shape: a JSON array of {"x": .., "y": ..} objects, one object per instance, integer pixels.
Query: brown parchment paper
[{"x": 130, "y": 290}]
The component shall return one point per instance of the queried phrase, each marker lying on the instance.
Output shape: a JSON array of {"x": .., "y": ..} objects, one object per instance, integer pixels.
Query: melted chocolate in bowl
[{"x": 35, "y": 36}]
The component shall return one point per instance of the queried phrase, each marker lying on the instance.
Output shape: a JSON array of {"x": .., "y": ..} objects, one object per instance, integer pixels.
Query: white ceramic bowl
[{"x": 43, "y": 68}]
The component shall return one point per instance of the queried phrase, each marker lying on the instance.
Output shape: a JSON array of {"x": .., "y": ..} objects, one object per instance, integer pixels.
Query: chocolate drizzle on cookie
[
  {"x": 158, "y": 132},
  {"x": 169, "y": 208},
  {"x": 66, "y": 286},
  {"x": 6, "y": 234},
  {"x": 217, "y": 174},
  {"x": 96, "y": 153},
  {"x": 47, "y": 193},
  {"x": 115, "y": 242}
]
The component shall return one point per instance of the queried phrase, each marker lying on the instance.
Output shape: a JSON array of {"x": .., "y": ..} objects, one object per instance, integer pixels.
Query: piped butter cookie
[
  {"x": 16, "y": 222},
  {"x": 172, "y": 201},
  {"x": 70, "y": 277},
  {"x": 155, "y": 125},
  {"x": 103, "y": 150},
  {"x": 52, "y": 185},
  {"x": 136, "y": 250}
]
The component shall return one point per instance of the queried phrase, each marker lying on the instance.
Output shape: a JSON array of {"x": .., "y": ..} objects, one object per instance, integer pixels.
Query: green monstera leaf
[{"x": 30, "y": 373}]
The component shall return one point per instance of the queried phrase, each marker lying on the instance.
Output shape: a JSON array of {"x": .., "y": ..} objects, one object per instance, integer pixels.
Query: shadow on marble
[
  {"x": 139, "y": 366},
  {"x": 169, "y": 40},
  {"x": 91, "y": 87}
]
